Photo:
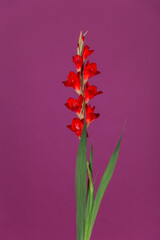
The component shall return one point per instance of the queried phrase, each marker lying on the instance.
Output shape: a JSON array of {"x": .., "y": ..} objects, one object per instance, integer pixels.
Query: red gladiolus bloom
[
  {"x": 90, "y": 70},
  {"x": 73, "y": 81},
  {"x": 78, "y": 61},
  {"x": 90, "y": 115},
  {"x": 86, "y": 52},
  {"x": 90, "y": 92},
  {"x": 77, "y": 126},
  {"x": 75, "y": 105},
  {"x": 84, "y": 90}
]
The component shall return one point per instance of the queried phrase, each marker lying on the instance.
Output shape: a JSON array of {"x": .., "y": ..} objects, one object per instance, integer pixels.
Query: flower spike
[{"x": 78, "y": 81}]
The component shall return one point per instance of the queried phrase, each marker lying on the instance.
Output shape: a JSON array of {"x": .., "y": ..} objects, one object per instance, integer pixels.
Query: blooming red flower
[
  {"x": 77, "y": 126},
  {"x": 78, "y": 61},
  {"x": 85, "y": 91},
  {"x": 90, "y": 115},
  {"x": 73, "y": 81},
  {"x": 86, "y": 52},
  {"x": 75, "y": 105},
  {"x": 90, "y": 70},
  {"x": 90, "y": 92}
]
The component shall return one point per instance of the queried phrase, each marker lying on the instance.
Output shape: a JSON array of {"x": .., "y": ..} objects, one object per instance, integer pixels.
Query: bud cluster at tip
[{"x": 79, "y": 82}]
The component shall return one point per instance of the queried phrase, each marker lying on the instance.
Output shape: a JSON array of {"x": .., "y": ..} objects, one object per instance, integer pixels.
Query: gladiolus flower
[
  {"x": 86, "y": 52},
  {"x": 90, "y": 115},
  {"x": 90, "y": 92},
  {"x": 73, "y": 81},
  {"x": 78, "y": 61},
  {"x": 90, "y": 70},
  {"x": 78, "y": 81},
  {"x": 75, "y": 105},
  {"x": 77, "y": 126}
]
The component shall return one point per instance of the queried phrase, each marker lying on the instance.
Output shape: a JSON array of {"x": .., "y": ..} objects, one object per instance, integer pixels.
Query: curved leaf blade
[
  {"x": 90, "y": 194},
  {"x": 102, "y": 187}
]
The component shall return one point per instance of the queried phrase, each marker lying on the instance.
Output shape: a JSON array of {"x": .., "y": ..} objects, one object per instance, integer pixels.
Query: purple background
[{"x": 37, "y": 152}]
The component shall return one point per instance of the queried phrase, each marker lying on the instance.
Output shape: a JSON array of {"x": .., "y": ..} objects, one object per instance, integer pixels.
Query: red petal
[
  {"x": 90, "y": 70},
  {"x": 75, "y": 105},
  {"x": 90, "y": 115},
  {"x": 77, "y": 126},
  {"x": 78, "y": 61},
  {"x": 73, "y": 81},
  {"x": 86, "y": 52},
  {"x": 90, "y": 92}
]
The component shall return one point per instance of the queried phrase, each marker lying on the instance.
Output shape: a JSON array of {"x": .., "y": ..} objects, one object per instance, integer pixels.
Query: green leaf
[
  {"x": 89, "y": 207},
  {"x": 80, "y": 183},
  {"x": 90, "y": 193},
  {"x": 102, "y": 187},
  {"x": 91, "y": 160}
]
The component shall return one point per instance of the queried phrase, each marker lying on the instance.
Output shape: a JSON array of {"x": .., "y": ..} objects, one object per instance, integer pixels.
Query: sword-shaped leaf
[
  {"x": 102, "y": 187},
  {"x": 80, "y": 183},
  {"x": 90, "y": 193}
]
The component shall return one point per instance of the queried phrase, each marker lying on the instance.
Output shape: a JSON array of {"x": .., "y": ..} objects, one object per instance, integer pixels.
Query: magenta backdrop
[{"x": 38, "y": 153}]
